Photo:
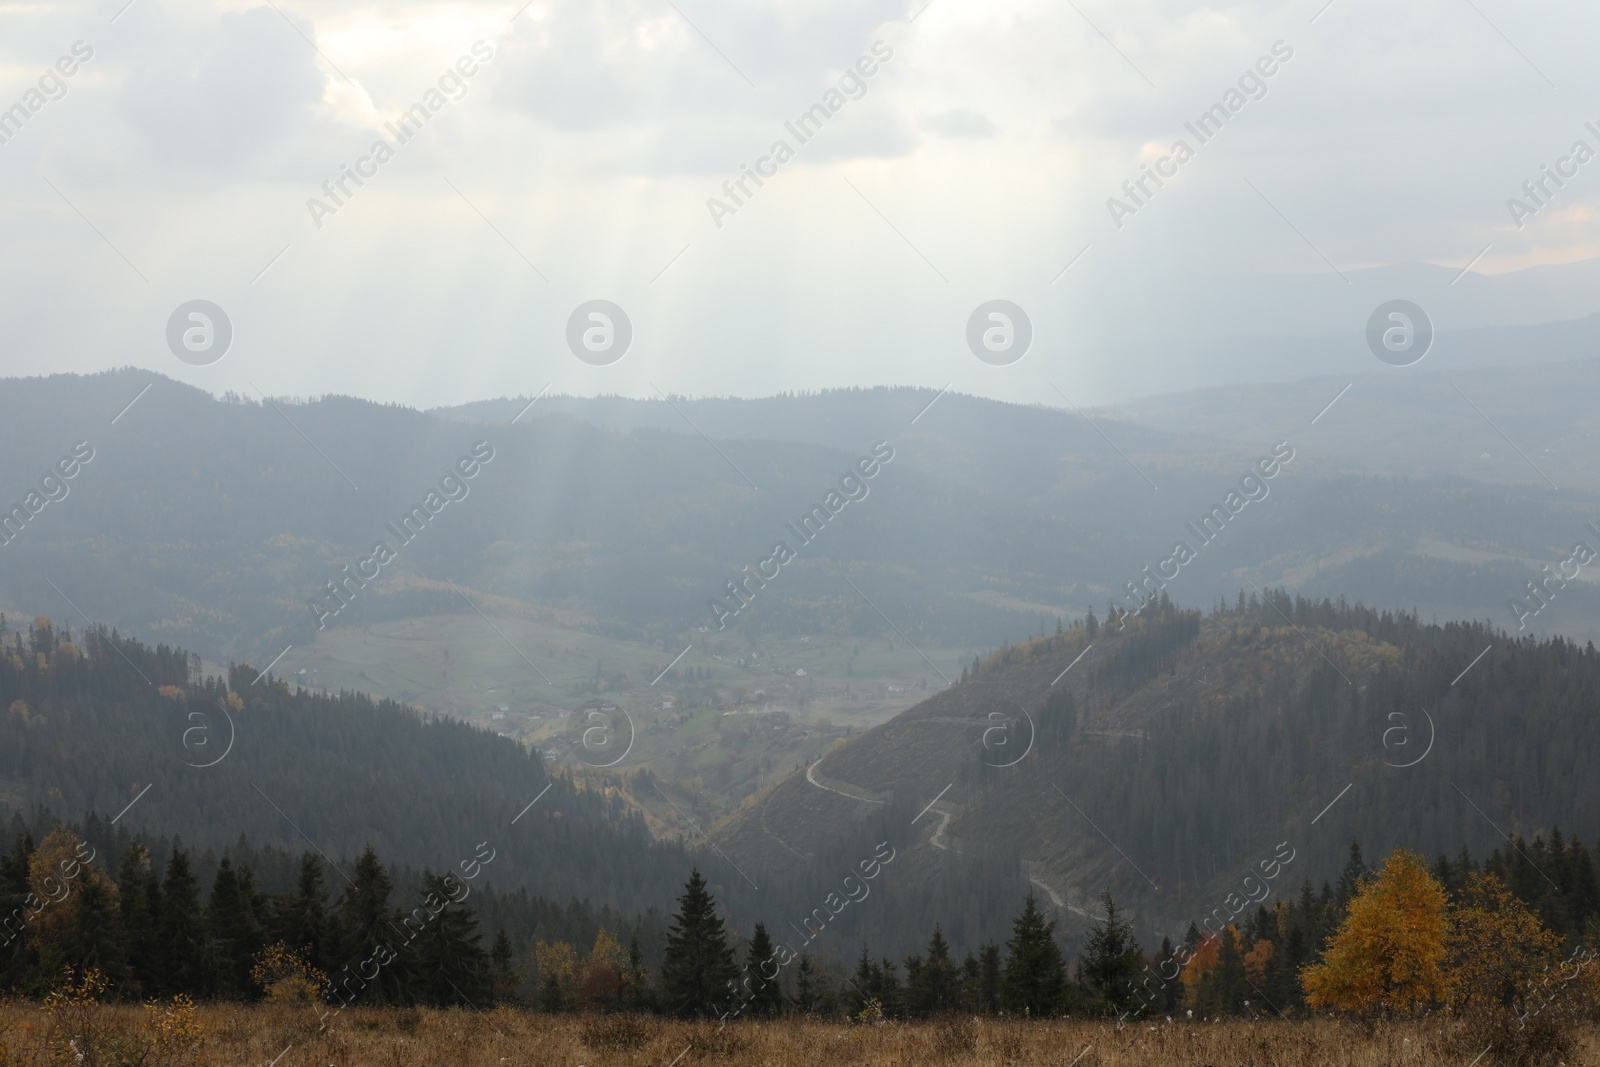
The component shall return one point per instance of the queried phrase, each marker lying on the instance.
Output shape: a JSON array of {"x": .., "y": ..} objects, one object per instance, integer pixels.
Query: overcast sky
[{"x": 576, "y": 163}]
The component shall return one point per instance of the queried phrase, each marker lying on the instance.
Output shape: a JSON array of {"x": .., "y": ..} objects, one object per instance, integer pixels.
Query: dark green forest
[
  {"x": 85, "y": 730},
  {"x": 1303, "y": 699}
]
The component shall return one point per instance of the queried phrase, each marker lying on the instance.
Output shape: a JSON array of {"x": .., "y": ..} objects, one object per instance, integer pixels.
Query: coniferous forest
[{"x": 140, "y": 902}]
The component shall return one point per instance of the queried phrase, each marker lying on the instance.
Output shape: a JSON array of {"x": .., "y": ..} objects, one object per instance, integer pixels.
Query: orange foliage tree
[
  {"x": 1389, "y": 954},
  {"x": 1255, "y": 962},
  {"x": 1206, "y": 956}
]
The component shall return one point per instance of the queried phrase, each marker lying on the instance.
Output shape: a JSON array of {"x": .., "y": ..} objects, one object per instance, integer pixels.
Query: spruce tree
[
  {"x": 889, "y": 991},
  {"x": 139, "y": 896},
  {"x": 1282, "y": 985},
  {"x": 1034, "y": 984},
  {"x": 233, "y": 934},
  {"x": 1355, "y": 872},
  {"x": 182, "y": 929},
  {"x": 302, "y": 923},
  {"x": 932, "y": 989},
  {"x": 1058, "y": 721},
  {"x": 967, "y": 978},
  {"x": 502, "y": 973},
  {"x": 865, "y": 984},
  {"x": 370, "y": 940},
  {"x": 1111, "y": 963},
  {"x": 989, "y": 1002},
  {"x": 1171, "y": 988},
  {"x": 550, "y": 996},
  {"x": 636, "y": 992},
  {"x": 805, "y": 985},
  {"x": 766, "y": 995},
  {"x": 94, "y": 937},
  {"x": 16, "y": 955},
  {"x": 1234, "y": 983},
  {"x": 698, "y": 967},
  {"x": 445, "y": 959}
]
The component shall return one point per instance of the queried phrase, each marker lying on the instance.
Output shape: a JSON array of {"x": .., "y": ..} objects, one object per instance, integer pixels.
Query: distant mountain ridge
[{"x": 231, "y": 518}]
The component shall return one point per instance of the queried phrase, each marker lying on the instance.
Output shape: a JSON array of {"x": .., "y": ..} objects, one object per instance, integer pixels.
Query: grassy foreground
[{"x": 287, "y": 1036}]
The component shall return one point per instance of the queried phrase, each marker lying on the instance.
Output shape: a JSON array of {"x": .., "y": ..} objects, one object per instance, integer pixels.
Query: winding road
[{"x": 809, "y": 777}]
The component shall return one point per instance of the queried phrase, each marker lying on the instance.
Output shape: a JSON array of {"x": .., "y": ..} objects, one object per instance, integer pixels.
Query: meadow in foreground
[{"x": 30, "y": 1036}]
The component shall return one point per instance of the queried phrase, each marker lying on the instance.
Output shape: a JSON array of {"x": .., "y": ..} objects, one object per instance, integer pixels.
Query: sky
[{"x": 593, "y": 153}]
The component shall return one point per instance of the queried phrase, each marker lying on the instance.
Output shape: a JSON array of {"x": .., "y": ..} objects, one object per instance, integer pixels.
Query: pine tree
[
  {"x": 303, "y": 923},
  {"x": 1111, "y": 963},
  {"x": 805, "y": 985},
  {"x": 1173, "y": 986},
  {"x": 1283, "y": 972},
  {"x": 766, "y": 995},
  {"x": 139, "y": 895},
  {"x": 866, "y": 984},
  {"x": 502, "y": 972},
  {"x": 967, "y": 977},
  {"x": 182, "y": 929},
  {"x": 445, "y": 960},
  {"x": 890, "y": 993},
  {"x": 16, "y": 952},
  {"x": 1350, "y": 879},
  {"x": 931, "y": 990},
  {"x": 1035, "y": 976},
  {"x": 698, "y": 966},
  {"x": 636, "y": 992},
  {"x": 94, "y": 936},
  {"x": 551, "y": 998},
  {"x": 233, "y": 934},
  {"x": 989, "y": 979},
  {"x": 1228, "y": 990},
  {"x": 371, "y": 968}
]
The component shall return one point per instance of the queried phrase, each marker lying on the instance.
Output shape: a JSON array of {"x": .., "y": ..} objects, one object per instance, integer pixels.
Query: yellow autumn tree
[
  {"x": 57, "y": 872},
  {"x": 1389, "y": 954},
  {"x": 287, "y": 975},
  {"x": 602, "y": 973},
  {"x": 1497, "y": 946},
  {"x": 557, "y": 966}
]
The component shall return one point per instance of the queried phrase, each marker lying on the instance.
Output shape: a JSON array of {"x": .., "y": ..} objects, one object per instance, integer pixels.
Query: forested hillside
[
  {"x": 102, "y": 724},
  {"x": 1180, "y": 752},
  {"x": 1169, "y": 760}
]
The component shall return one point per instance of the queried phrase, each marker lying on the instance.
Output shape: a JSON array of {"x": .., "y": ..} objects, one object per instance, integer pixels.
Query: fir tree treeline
[
  {"x": 160, "y": 923},
  {"x": 1261, "y": 966},
  {"x": 157, "y": 930}
]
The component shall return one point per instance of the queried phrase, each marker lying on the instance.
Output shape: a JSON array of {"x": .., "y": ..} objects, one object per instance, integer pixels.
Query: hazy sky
[{"x": 576, "y": 163}]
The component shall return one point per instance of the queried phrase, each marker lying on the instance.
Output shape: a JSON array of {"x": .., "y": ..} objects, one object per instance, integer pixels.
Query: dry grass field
[{"x": 287, "y": 1036}]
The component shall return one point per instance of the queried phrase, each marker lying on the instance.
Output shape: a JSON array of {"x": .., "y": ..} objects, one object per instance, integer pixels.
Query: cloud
[
  {"x": 959, "y": 122},
  {"x": 587, "y": 66},
  {"x": 218, "y": 91}
]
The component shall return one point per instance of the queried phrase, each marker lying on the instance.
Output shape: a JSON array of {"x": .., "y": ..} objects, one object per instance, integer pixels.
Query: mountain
[
  {"x": 105, "y": 726},
  {"x": 1171, "y": 757},
  {"x": 584, "y": 565},
  {"x": 1190, "y": 762}
]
